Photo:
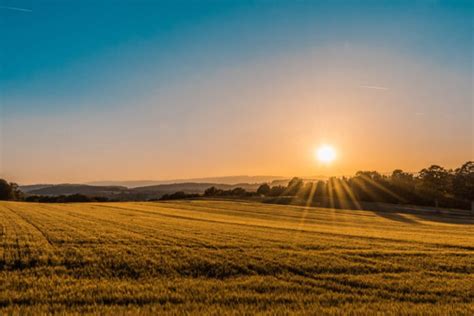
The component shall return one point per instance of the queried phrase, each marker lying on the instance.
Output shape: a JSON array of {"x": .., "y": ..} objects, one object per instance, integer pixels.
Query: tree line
[
  {"x": 210, "y": 192},
  {"x": 432, "y": 186},
  {"x": 72, "y": 198}
]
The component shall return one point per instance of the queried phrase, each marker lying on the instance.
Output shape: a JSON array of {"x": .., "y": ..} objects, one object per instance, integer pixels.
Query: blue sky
[{"x": 65, "y": 60}]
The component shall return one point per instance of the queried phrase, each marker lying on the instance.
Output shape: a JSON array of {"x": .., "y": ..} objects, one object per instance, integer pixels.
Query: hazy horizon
[
  {"x": 225, "y": 179},
  {"x": 179, "y": 90},
  {"x": 220, "y": 179}
]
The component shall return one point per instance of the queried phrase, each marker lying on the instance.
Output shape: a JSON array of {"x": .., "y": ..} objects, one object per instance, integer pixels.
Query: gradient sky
[{"x": 122, "y": 90}]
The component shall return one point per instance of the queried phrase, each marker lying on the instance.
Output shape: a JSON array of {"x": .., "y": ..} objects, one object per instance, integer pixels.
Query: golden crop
[{"x": 216, "y": 257}]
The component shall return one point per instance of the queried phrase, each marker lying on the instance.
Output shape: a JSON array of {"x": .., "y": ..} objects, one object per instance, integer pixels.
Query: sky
[{"x": 134, "y": 90}]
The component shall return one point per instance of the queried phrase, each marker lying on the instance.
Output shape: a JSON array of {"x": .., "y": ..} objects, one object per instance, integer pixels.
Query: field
[{"x": 216, "y": 257}]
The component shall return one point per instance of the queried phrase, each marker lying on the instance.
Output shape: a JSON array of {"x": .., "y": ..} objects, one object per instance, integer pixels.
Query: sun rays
[{"x": 338, "y": 193}]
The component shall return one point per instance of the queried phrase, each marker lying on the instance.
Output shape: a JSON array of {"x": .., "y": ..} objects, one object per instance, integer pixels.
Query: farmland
[{"x": 230, "y": 257}]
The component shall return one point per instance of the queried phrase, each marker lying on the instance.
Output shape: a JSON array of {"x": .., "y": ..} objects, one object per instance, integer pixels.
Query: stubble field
[{"x": 216, "y": 257}]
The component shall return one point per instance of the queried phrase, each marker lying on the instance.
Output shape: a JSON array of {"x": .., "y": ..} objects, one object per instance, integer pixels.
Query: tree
[
  {"x": 212, "y": 191},
  {"x": 307, "y": 191},
  {"x": 403, "y": 184},
  {"x": 294, "y": 186},
  {"x": 174, "y": 196},
  {"x": 370, "y": 175},
  {"x": 6, "y": 192},
  {"x": 320, "y": 189},
  {"x": 238, "y": 192},
  {"x": 76, "y": 198},
  {"x": 263, "y": 189},
  {"x": 400, "y": 176},
  {"x": 463, "y": 183},
  {"x": 277, "y": 190},
  {"x": 434, "y": 182},
  {"x": 359, "y": 186},
  {"x": 17, "y": 194},
  {"x": 435, "y": 176}
]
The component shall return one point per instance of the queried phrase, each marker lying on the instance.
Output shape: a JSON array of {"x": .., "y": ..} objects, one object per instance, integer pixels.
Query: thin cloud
[
  {"x": 16, "y": 9},
  {"x": 374, "y": 87}
]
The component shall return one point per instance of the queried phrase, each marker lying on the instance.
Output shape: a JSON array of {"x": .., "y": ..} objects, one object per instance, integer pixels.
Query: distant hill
[
  {"x": 134, "y": 190},
  {"x": 232, "y": 180},
  {"x": 123, "y": 193},
  {"x": 66, "y": 189},
  {"x": 191, "y": 187},
  {"x": 33, "y": 187}
]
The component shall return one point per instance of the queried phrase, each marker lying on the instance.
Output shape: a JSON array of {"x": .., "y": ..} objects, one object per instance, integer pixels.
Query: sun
[{"x": 326, "y": 154}]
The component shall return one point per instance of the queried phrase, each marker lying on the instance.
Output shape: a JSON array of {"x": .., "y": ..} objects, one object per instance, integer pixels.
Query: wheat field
[{"x": 224, "y": 257}]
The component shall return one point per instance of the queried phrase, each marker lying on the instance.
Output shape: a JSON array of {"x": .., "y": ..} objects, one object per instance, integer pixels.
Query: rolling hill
[
  {"x": 231, "y": 180},
  {"x": 123, "y": 193},
  {"x": 67, "y": 189}
]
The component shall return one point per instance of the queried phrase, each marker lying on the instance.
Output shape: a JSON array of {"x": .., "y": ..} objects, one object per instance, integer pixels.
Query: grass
[{"x": 216, "y": 257}]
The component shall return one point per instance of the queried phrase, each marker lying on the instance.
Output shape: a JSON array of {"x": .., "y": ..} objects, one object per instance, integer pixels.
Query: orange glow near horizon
[{"x": 257, "y": 118}]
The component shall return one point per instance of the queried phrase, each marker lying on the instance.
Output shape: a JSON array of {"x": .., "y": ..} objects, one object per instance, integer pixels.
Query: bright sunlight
[{"x": 326, "y": 154}]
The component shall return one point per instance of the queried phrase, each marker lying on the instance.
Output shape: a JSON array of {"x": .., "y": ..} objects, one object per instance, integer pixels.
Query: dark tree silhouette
[
  {"x": 294, "y": 186},
  {"x": 434, "y": 182},
  {"x": 263, "y": 189},
  {"x": 6, "y": 192},
  {"x": 238, "y": 192},
  {"x": 463, "y": 183},
  {"x": 432, "y": 186},
  {"x": 212, "y": 191},
  {"x": 10, "y": 191},
  {"x": 277, "y": 190}
]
